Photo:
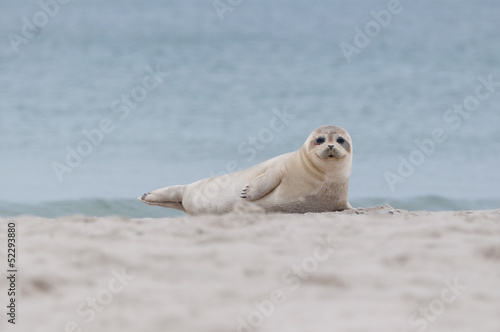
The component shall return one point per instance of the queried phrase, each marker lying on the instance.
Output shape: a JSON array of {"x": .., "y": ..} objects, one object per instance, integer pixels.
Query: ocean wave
[
  {"x": 132, "y": 208},
  {"x": 90, "y": 207}
]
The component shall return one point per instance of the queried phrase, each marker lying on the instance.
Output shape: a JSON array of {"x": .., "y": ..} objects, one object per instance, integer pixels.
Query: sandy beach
[{"x": 375, "y": 269}]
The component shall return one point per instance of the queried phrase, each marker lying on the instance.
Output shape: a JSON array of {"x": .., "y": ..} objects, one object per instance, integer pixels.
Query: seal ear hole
[
  {"x": 320, "y": 140},
  {"x": 340, "y": 140}
]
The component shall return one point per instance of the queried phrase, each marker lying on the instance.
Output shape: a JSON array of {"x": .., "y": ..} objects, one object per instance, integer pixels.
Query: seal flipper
[
  {"x": 261, "y": 185},
  {"x": 169, "y": 197}
]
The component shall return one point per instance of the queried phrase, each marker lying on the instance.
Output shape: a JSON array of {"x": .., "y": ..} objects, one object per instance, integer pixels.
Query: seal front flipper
[
  {"x": 261, "y": 185},
  {"x": 169, "y": 197}
]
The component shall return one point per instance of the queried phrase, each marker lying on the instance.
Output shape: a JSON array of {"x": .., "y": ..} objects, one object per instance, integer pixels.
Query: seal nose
[{"x": 331, "y": 147}]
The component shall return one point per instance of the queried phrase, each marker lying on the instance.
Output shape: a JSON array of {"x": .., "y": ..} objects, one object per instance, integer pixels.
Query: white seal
[{"x": 314, "y": 178}]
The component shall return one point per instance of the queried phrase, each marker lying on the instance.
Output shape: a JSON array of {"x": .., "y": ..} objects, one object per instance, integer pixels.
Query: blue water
[{"x": 226, "y": 81}]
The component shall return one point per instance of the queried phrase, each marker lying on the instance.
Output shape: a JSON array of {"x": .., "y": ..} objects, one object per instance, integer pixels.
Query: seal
[{"x": 314, "y": 178}]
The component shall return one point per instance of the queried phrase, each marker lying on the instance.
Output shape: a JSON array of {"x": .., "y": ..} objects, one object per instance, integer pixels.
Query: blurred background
[{"x": 85, "y": 127}]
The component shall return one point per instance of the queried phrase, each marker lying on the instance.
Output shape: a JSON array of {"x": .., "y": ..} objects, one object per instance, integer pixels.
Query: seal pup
[{"x": 314, "y": 178}]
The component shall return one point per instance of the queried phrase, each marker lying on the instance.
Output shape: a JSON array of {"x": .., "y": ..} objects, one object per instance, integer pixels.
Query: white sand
[{"x": 207, "y": 273}]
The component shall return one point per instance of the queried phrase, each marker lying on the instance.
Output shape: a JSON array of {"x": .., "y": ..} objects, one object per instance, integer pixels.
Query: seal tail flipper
[{"x": 169, "y": 197}]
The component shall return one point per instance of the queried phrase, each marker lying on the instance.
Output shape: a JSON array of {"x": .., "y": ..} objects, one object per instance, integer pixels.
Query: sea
[{"x": 102, "y": 101}]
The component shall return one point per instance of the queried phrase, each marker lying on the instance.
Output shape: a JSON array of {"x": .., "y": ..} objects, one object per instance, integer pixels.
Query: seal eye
[
  {"x": 320, "y": 140},
  {"x": 340, "y": 140}
]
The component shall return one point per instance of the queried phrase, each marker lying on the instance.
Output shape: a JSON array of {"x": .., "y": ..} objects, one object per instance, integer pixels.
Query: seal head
[{"x": 330, "y": 149}]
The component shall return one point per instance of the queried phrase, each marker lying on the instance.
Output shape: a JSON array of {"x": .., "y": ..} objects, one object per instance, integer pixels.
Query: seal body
[{"x": 312, "y": 179}]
